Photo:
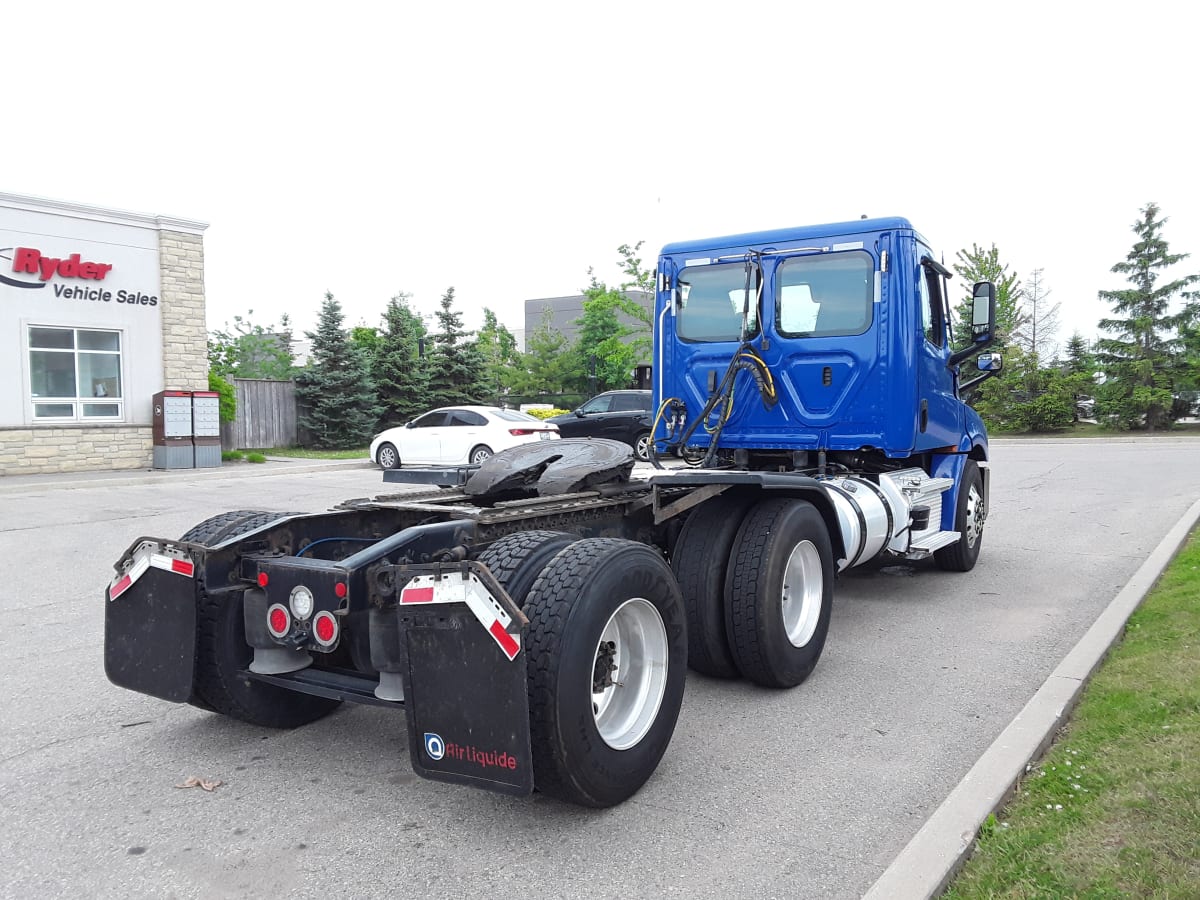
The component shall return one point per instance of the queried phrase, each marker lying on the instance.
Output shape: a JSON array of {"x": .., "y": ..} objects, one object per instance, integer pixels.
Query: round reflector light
[
  {"x": 278, "y": 621},
  {"x": 325, "y": 628},
  {"x": 339, "y": 590},
  {"x": 301, "y": 602},
  {"x": 263, "y": 579}
]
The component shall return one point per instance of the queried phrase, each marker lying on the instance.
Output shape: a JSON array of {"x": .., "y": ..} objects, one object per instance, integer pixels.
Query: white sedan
[{"x": 458, "y": 435}]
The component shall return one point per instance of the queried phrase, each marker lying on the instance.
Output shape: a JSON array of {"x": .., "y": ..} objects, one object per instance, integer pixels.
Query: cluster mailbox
[{"x": 187, "y": 430}]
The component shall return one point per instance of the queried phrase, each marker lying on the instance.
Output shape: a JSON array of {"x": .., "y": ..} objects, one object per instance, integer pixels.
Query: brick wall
[
  {"x": 185, "y": 334},
  {"x": 34, "y": 451}
]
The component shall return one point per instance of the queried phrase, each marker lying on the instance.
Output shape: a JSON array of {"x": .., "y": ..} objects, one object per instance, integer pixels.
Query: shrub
[
  {"x": 546, "y": 413},
  {"x": 255, "y": 458},
  {"x": 231, "y": 455}
]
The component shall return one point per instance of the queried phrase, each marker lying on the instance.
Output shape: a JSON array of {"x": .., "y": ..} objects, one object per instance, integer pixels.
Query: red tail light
[
  {"x": 325, "y": 628},
  {"x": 279, "y": 620},
  {"x": 521, "y": 432}
]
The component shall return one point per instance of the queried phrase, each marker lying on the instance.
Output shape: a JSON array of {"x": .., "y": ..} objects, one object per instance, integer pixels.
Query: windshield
[
  {"x": 710, "y": 301},
  {"x": 830, "y": 294}
]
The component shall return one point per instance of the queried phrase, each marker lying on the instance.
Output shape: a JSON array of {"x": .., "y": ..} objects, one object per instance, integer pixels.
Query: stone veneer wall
[
  {"x": 80, "y": 448},
  {"x": 185, "y": 334}
]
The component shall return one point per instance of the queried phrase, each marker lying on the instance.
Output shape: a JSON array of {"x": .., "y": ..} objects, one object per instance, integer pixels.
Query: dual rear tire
[
  {"x": 757, "y": 582},
  {"x": 606, "y": 654}
]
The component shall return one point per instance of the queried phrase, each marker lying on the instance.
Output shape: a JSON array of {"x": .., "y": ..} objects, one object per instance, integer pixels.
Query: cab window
[
  {"x": 826, "y": 295},
  {"x": 709, "y": 303},
  {"x": 933, "y": 305}
]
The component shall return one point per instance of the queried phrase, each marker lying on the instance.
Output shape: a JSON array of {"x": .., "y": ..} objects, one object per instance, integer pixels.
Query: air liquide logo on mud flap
[
  {"x": 434, "y": 746},
  {"x": 31, "y": 269},
  {"x": 485, "y": 759}
]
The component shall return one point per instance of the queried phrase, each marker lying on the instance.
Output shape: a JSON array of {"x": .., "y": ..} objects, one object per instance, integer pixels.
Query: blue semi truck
[{"x": 531, "y": 618}]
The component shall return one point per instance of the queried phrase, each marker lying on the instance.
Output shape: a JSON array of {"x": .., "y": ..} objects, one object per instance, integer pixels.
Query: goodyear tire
[
  {"x": 700, "y": 562},
  {"x": 968, "y": 521},
  {"x": 606, "y": 660},
  {"x": 222, "y": 652},
  {"x": 779, "y": 592},
  {"x": 518, "y": 559}
]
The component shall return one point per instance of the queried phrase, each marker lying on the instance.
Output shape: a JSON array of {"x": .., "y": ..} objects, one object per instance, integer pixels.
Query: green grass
[
  {"x": 1093, "y": 430},
  {"x": 1113, "y": 810},
  {"x": 299, "y": 453},
  {"x": 253, "y": 457},
  {"x": 231, "y": 455}
]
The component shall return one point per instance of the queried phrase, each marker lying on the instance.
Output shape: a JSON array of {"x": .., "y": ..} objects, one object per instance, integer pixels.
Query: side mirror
[
  {"x": 983, "y": 322},
  {"x": 408, "y": 424},
  {"x": 579, "y": 412},
  {"x": 990, "y": 362},
  {"x": 983, "y": 312}
]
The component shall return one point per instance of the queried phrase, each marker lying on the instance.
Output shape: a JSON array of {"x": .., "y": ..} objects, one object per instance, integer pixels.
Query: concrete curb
[
  {"x": 924, "y": 868},
  {"x": 275, "y": 465}
]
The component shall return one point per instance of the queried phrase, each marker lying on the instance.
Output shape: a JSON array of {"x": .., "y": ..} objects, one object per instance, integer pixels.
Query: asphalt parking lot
[{"x": 808, "y": 792}]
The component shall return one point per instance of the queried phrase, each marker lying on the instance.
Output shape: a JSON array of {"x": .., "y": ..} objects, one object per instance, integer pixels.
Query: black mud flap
[
  {"x": 150, "y": 635},
  {"x": 465, "y": 692}
]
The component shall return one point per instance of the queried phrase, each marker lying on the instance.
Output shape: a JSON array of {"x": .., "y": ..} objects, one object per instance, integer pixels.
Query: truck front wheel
[
  {"x": 606, "y": 658},
  {"x": 222, "y": 654},
  {"x": 779, "y": 592},
  {"x": 969, "y": 517}
]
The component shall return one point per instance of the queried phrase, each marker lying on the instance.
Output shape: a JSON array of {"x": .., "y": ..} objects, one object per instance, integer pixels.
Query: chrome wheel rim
[
  {"x": 803, "y": 589},
  {"x": 629, "y": 673},
  {"x": 480, "y": 455},
  {"x": 643, "y": 447},
  {"x": 974, "y": 515},
  {"x": 387, "y": 458}
]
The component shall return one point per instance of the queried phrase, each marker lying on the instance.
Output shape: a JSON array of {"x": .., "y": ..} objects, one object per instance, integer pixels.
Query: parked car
[
  {"x": 619, "y": 415},
  {"x": 458, "y": 435}
]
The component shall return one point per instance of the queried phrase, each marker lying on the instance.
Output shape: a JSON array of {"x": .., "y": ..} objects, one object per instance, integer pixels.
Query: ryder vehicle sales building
[{"x": 99, "y": 310}]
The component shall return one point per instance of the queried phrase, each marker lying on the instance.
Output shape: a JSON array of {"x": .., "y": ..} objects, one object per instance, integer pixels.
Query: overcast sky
[{"x": 504, "y": 148}]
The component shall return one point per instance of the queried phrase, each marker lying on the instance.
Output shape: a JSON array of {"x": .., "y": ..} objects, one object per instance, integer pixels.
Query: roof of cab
[{"x": 765, "y": 239}]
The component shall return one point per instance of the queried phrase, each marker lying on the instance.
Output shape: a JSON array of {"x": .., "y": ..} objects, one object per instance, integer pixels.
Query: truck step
[{"x": 935, "y": 541}]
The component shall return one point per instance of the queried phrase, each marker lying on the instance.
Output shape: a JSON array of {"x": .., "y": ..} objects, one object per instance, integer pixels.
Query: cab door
[{"x": 939, "y": 412}]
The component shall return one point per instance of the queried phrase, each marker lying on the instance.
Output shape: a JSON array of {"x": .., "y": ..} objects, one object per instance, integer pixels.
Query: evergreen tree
[
  {"x": 456, "y": 367},
  {"x": 1079, "y": 359},
  {"x": 335, "y": 392},
  {"x": 546, "y": 366},
  {"x": 1143, "y": 358},
  {"x": 498, "y": 348},
  {"x": 984, "y": 265},
  {"x": 401, "y": 372}
]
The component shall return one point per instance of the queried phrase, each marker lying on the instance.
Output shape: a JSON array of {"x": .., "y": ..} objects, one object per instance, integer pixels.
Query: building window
[{"x": 75, "y": 374}]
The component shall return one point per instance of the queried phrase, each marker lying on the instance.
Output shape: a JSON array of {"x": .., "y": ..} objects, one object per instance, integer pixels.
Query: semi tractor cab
[
  {"x": 530, "y": 619},
  {"x": 826, "y": 350}
]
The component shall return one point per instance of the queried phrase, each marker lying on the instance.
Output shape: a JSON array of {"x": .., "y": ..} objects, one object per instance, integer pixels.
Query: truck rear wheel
[
  {"x": 779, "y": 592},
  {"x": 222, "y": 652},
  {"x": 968, "y": 522},
  {"x": 700, "y": 562},
  {"x": 606, "y": 654},
  {"x": 518, "y": 559}
]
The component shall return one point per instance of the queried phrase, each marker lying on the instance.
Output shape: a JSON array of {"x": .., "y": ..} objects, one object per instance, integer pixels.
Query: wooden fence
[{"x": 266, "y": 415}]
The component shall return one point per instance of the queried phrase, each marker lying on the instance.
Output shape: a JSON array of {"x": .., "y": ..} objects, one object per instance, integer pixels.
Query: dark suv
[{"x": 620, "y": 415}]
